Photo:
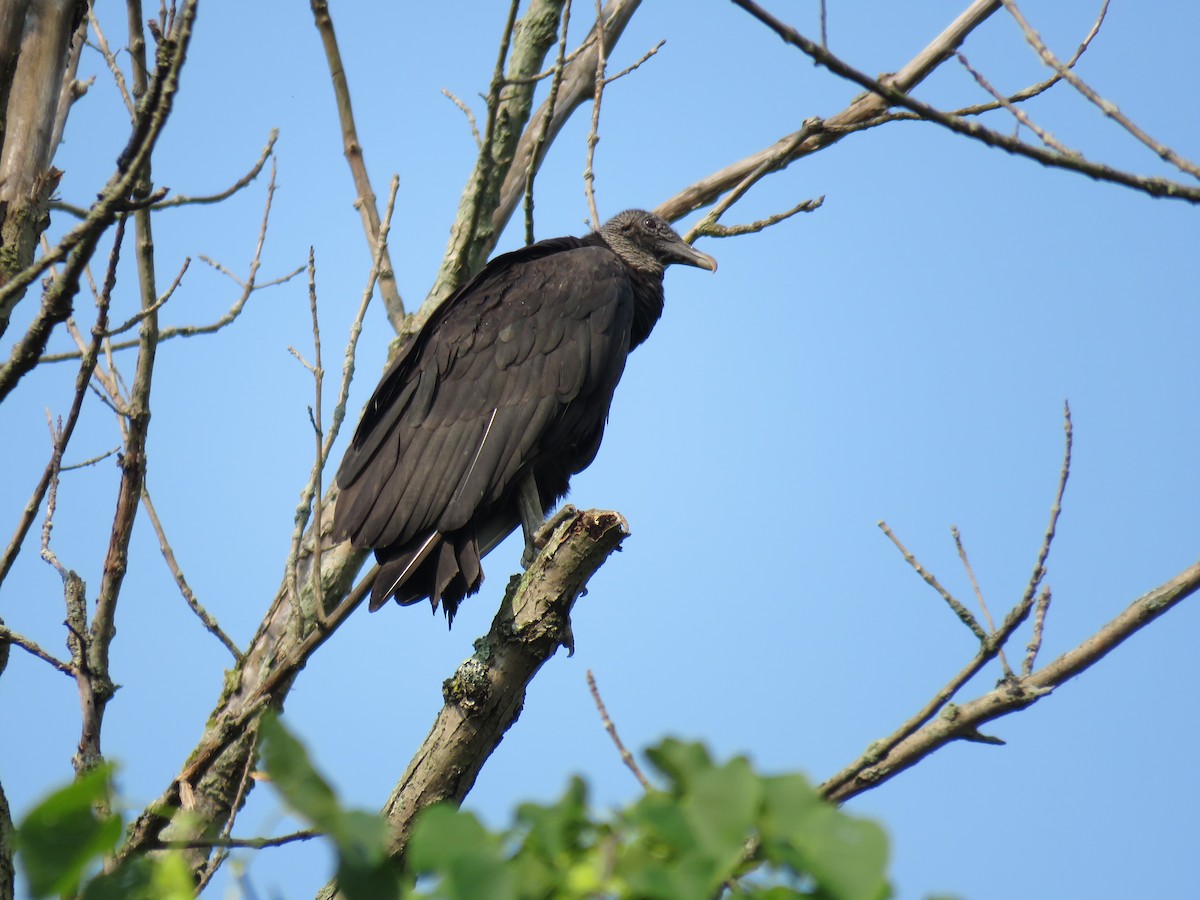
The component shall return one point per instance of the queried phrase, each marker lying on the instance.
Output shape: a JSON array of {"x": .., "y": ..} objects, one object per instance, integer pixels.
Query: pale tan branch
[
  {"x": 352, "y": 148},
  {"x": 987, "y": 614},
  {"x": 189, "y": 596},
  {"x": 593, "y": 136},
  {"x": 1017, "y": 113},
  {"x": 486, "y": 693},
  {"x": 626, "y": 757},
  {"x": 959, "y": 610},
  {"x": 466, "y": 111},
  {"x": 243, "y": 182},
  {"x": 892, "y": 91},
  {"x": 1105, "y": 106},
  {"x": 964, "y": 720},
  {"x": 8, "y": 636}
]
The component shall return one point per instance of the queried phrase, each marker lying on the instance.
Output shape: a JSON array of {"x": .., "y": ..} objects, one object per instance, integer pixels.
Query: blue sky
[{"x": 903, "y": 354}]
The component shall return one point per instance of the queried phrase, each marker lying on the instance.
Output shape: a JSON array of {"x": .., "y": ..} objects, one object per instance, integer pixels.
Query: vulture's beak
[{"x": 686, "y": 254}]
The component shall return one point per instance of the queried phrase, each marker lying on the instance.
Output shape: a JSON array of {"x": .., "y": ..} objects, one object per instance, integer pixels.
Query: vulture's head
[{"x": 645, "y": 241}]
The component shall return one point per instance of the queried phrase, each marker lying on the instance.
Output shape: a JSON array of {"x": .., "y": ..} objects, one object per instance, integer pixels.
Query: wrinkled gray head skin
[{"x": 645, "y": 241}]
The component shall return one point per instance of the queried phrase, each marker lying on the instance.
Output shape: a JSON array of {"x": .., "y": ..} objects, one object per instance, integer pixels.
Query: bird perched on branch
[{"x": 485, "y": 414}]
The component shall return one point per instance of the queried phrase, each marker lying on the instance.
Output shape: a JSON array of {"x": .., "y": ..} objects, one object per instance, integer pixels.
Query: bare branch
[
  {"x": 8, "y": 636},
  {"x": 243, "y": 182},
  {"x": 593, "y": 137},
  {"x": 865, "y": 111},
  {"x": 339, "y": 409},
  {"x": 626, "y": 756},
  {"x": 637, "y": 65},
  {"x": 210, "y": 623},
  {"x": 1105, "y": 106},
  {"x": 959, "y": 610},
  {"x": 75, "y": 249},
  {"x": 486, "y": 693},
  {"x": 82, "y": 378},
  {"x": 247, "y": 843},
  {"x": 705, "y": 228},
  {"x": 1039, "y": 625},
  {"x": 466, "y": 111},
  {"x": 959, "y": 721},
  {"x": 1039, "y": 567},
  {"x": 545, "y": 114},
  {"x": 921, "y": 734},
  {"x": 1019, "y": 114},
  {"x": 248, "y": 285},
  {"x": 366, "y": 202},
  {"x": 893, "y": 91},
  {"x": 111, "y": 60},
  {"x": 987, "y": 615}
]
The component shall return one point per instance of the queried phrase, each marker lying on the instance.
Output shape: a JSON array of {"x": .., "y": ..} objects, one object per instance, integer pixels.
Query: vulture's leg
[{"x": 529, "y": 508}]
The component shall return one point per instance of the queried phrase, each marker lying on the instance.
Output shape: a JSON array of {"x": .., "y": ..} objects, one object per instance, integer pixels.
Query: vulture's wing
[{"x": 491, "y": 385}]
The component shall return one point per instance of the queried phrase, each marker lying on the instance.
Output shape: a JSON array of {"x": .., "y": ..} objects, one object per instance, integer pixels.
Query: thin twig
[
  {"x": 352, "y": 149},
  {"x": 210, "y": 623},
  {"x": 1039, "y": 625},
  {"x": 157, "y": 305},
  {"x": 111, "y": 61},
  {"x": 1039, "y": 567},
  {"x": 637, "y": 65},
  {"x": 544, "y": 121},
  {"x": 546, "y": 73},
  {"x": 716, "y": 230},
  {"x": 243, "y": 182},
  {"x": 52, "y": 499},
  {"x": 247, "y": 843},
  {"x": 593, "y": 137},
  {"x": 892, "y": 94},
  {"x": 1105, "y": 106},
  {"x": 214, "y": 863},
  {"x": 959, "y": 610},
  {"x": 1019, "y": 114},
  {"x": 466, "y": 111},
  {"x": 29, "y": 646},
  {"x": 626, "y": 756},
  {"x": 319, "y": 463},
  {"x": 339, "y": 409},
  {"x": 82, "y": 379},
  {"x": 308, "y": 497},
  {"x": 773, "y": 162},
  {"x": 90, "y": 462},
  {"x": 987, "y": 615},
  {"x": 248, "y": 286}
]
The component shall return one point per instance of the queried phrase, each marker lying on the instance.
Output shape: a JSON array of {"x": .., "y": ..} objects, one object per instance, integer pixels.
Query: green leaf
[
  {"x": 452, "y": 844},
  {"x": 847, "y": 856},
  {"x": 722, "y": 808},
  {"x": 679, "y": 761},
  {"x": 294, "y": 776},
  {"x": 162, "y": 877},
  {"x": 364, "y": 870},
  {"x": 63, "y": 836}
]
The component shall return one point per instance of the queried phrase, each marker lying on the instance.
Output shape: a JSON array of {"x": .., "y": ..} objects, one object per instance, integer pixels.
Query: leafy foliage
[
  {"x": 364, "y": 871},
  {"x": 713, "y": 830},
  {"x": 66, "y": 837}
]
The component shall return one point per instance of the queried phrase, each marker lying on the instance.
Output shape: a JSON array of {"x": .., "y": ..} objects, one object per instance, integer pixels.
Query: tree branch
[
  {"x": 959, "y": 722},
  {"x": 77, "y": 246},
  {"x": 893, "y": 92},
  {"x": 817, "y": 134},
  {"x": 366, "y": 202},
  {"x": 485, "y": 695}
]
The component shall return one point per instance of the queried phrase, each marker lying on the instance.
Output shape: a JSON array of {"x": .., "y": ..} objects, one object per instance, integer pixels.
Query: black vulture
[{"x": 485, "y": 414}]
